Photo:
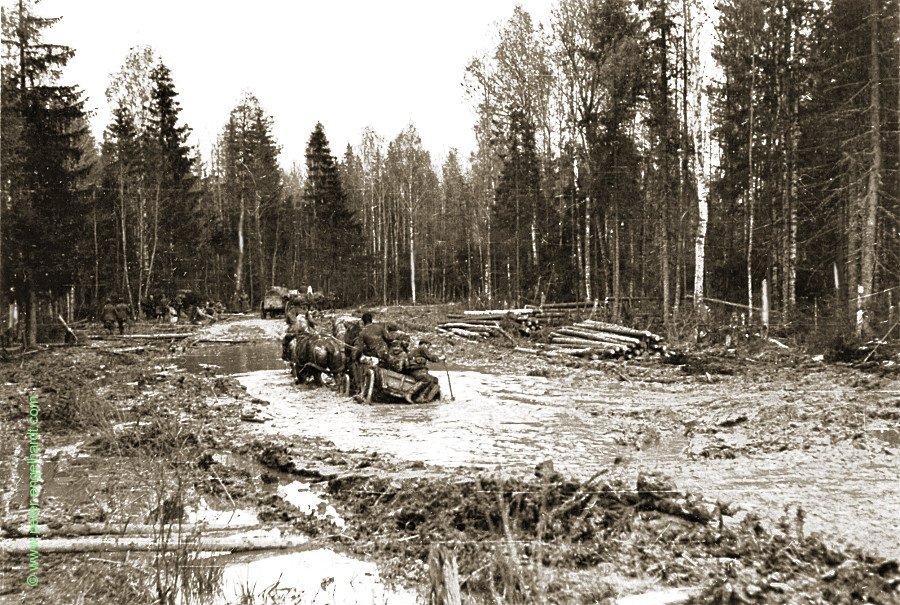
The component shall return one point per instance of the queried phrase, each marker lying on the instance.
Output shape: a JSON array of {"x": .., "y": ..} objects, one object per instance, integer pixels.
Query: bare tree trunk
[
  {"x": 31, "y": 321},
  {"x": 275, "y": 249},
  {"x": 587, "y": 247},
  {"x": 155, "y": 242},
  {"x": 261, "y": 274},
  {"x": 751, "y": 184},
  {"x": 852, "y": 264},
  {"x": 412, "y": 261},
  {"x": 127, "y": 284},
  {"x": 384, "y": 256},
  {"x": 96, "y": 253},
  {"x": 488, "y": 265},
  {"x": 239, "y": 270},
  {"x": 579, "y": 250},
  {"x": 616, "y": 285},
  {"x": 871, "y": 199}
]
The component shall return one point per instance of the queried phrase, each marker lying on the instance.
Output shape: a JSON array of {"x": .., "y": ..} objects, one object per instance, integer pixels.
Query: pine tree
[{"x": 43, "y": 214}]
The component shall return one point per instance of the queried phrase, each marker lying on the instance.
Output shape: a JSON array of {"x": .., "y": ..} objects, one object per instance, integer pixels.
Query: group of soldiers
[
  {"x": 393, "y": 348},
  {"x": 184, "y": 305},
  {"x": 114, "y": 313}
]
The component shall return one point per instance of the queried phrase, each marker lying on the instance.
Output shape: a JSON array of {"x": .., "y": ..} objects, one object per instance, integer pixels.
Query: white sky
[{"x": 346, "y": 63}]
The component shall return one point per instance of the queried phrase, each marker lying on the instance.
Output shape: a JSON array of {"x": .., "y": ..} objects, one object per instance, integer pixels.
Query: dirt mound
[{"x": 557, "y": 526}]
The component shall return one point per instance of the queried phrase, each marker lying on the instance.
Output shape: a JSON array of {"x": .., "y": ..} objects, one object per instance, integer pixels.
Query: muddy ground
[{"x": 755, "y": 474}]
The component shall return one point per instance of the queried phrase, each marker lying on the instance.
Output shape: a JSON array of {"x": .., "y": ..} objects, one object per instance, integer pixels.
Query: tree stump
[{"x": 443, "y": 577}]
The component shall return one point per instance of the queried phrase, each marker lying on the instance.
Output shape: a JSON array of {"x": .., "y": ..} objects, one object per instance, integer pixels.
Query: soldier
[
  {"x": 108, "y": 316},
  {"x": 417, "y": 367},
  {"x": 121, "y": 315},
  {"x": 375, "y": 338}
]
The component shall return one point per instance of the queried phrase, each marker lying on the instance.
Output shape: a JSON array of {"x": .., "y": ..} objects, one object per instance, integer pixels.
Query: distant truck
[{"x": 273, "y": 302}]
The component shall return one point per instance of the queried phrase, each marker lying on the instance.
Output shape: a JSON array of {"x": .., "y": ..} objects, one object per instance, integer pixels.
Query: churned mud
[{"x": 756, "y": 475}]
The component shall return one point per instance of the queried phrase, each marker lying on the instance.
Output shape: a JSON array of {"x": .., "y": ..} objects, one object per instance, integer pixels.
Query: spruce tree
[
  {"x": 335, "y": 237},
  {"x": 174, "y": 180},
  {"x": 519, "y": 212},
  {"x": 43, "y": 124},
  {"x": 252, "y": 186}
]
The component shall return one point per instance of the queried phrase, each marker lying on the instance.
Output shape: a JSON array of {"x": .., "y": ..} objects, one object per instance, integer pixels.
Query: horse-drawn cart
[{"x": 384, "y": 385}]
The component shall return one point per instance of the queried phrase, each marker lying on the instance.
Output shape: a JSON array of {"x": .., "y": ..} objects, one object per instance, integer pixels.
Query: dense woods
[{"x": 644, "y": 153}]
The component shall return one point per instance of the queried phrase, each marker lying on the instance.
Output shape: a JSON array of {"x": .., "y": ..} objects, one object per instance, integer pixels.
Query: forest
[{"x": 647, "y": 154}]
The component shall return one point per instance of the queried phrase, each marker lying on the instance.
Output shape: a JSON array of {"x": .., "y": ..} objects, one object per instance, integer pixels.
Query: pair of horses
[{"x": 312, "y": 354}]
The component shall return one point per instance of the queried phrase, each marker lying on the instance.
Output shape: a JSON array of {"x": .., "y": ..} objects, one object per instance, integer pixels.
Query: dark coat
[
  {"x": 121, "y": 312},
  {"x": 109, "y": 312}
]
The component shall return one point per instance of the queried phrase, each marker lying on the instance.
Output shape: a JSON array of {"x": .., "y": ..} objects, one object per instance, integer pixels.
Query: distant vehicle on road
[{"x": 273, "y": 302}]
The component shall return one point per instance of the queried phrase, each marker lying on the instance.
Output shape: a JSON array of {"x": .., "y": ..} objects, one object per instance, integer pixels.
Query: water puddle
[
  {"x": 299, "y": 495},
  {"x": 227, "y": 359},
  {"x": 206, "y": 514},
  {"x": 307, "y": 578},
  {"x": 890, "y": 436}
]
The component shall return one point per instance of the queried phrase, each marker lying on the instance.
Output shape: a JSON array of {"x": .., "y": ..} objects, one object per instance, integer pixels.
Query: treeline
[
  {"x": 642, "y": 151},
  {"x": 628, "y": 150}
]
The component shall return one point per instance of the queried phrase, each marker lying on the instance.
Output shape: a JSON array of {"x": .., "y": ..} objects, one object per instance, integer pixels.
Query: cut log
[
  {"x": 570, "y": 340},
  {"x": 139, "y": 543},
  {"x": 470, "y": 327},
  {"x": 121, "y": 529},
  {"x": 464, "y": 333},
  {"x": 170, "y": 336},
  {"x": 126, "y": 350},
  {"x": 501, "y": 312},
  {"x": 624, "y": 330},
  {"x": 594, "y": 335}
]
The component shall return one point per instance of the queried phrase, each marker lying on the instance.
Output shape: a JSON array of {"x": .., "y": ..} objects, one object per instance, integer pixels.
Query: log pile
[
  {"x": 475, "y": 325},
  {"x": 602, "y": 340}
]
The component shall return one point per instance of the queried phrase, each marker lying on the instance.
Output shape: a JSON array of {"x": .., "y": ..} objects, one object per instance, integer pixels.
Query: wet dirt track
[{"x": 584, "y": 422}]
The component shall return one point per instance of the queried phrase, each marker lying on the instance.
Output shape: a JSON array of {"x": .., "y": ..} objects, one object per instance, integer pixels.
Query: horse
[{"x": 313, "y": 354}]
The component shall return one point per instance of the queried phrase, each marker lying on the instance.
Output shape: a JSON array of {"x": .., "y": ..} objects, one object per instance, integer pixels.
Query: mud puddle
[{"x": 227, "y": 359}]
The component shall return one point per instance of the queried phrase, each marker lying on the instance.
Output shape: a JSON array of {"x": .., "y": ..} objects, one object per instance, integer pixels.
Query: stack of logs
[
  {"x": 597, "y": 339},
  {"x": 473, "y": 325}
]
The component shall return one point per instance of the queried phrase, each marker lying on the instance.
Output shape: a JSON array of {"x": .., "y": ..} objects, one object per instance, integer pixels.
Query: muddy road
[
  {"x": 773, "y": 438},
  {"x": 756, "y": 475}
]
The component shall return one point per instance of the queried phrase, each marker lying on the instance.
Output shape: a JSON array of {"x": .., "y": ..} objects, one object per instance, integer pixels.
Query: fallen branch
[
  {"x": 68, "y": 329},
  {"x": 126, "y": 350},
  {"x": 779, "y": 343},
  {"x": 881, "y": 342},
  {"x": 148, "y": 544}
]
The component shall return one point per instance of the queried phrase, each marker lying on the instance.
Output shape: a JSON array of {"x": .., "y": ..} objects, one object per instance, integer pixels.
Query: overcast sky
[{"x": 346, "y": 63}]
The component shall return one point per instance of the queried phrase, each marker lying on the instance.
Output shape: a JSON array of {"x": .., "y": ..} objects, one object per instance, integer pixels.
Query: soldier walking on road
[
  {"x": 121, "y": 315},
  {"x": 108, "y": 316}
]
